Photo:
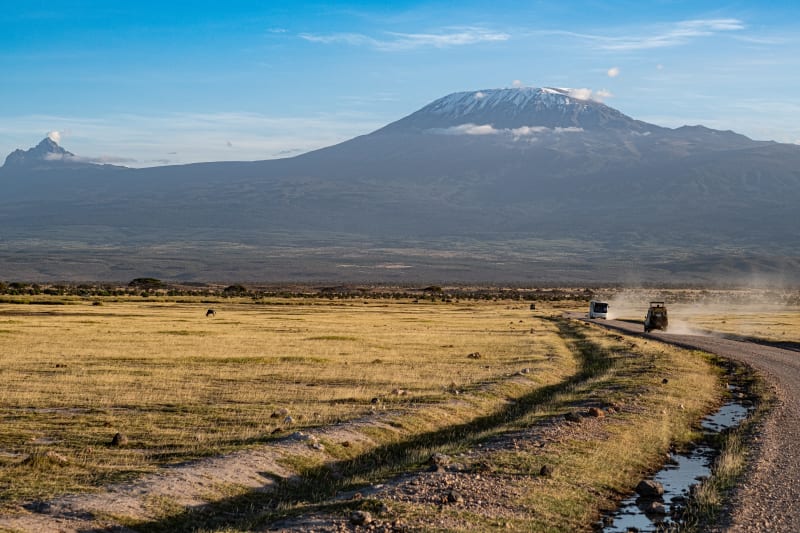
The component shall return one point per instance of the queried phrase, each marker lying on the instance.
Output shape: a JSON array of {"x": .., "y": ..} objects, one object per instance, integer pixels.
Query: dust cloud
[{"x": 740, "y": 312}]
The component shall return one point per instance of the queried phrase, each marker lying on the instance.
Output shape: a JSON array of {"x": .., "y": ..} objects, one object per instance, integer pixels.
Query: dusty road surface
[{"x": 768, "y": 498}]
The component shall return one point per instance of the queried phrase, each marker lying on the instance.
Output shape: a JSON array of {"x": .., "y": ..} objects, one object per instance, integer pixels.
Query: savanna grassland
[
  {"x": 180, "y": 385},
  {"x": 445, "y": 375}
]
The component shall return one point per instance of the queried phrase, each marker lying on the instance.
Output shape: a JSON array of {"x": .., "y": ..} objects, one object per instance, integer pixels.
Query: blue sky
[{"x": 147, "y": 83}]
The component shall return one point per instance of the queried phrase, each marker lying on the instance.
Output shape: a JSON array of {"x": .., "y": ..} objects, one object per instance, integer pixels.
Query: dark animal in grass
[{"x": 211, "y": 312}]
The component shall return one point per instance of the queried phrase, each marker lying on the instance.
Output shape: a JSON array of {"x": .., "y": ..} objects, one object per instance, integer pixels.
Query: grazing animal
[{"x": 211, "y": 312}]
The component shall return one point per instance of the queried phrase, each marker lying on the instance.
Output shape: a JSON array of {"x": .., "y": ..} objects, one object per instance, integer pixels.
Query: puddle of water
[
  {"x": 730, "y": 415},
  {"x": 677, "y": 478}
]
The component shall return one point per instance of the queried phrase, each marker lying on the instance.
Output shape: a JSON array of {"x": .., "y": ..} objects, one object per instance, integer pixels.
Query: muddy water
[{"x": 678, "y": 476}]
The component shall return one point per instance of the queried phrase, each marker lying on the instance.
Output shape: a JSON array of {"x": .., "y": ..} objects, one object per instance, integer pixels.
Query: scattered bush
[{"x": 146, "y": 283}]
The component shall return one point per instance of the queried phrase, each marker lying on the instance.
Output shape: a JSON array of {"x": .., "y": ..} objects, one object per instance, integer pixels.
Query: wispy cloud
[
  {"x": 101, "y": 160},
  {"x": 676, "y": 34},
  {"x": 488, "y": 129},
  {"x": 394, "y": 41},
  {"x": 468, "y": 129}
]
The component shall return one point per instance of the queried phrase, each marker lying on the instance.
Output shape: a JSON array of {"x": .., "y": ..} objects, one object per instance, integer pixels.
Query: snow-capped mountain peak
[
  {"x": 518, "y": 108},
  {"x": 467, "y": 102}
]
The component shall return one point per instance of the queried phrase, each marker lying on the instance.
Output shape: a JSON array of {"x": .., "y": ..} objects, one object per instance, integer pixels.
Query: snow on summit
[
  {"x": 515, "y": 108},
  {"x": 467, "y": 102}
]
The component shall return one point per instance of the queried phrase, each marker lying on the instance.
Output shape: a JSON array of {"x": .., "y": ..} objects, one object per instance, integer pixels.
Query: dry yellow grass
[
  {"x": 776, "y": 324},
  {"x": 596, "y": 463},
  {"x": 181, "y": 385}
]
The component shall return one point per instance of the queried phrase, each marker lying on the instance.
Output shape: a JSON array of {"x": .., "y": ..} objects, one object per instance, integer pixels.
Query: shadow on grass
[{"x": 308, "y": 491}]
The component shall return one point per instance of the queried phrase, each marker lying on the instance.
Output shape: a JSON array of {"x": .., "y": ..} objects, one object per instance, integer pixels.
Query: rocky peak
[{"x": 45, "y": 154}]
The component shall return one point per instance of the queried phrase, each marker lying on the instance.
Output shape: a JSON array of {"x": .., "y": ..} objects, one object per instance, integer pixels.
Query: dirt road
[{"x": 767, "y": 499}]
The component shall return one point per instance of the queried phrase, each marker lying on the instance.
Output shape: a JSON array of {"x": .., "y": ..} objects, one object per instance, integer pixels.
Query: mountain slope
[{"x": 470, "y": 171}]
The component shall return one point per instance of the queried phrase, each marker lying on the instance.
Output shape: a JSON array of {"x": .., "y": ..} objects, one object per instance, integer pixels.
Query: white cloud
[
  {"x": 55, "y": 136},
  {"x": 395, "y": 41},
  {"x": 525, "y": 131},
  {"x": 488, "y": 129},
  {"x": 584, "y": 93},
  {"x": 613, "y": 72},
  {"x": 662, "y": 36},
  {"x": 516, "y": 84},
  {"x": 676, "y": 35},
  {"x": 468, "y": 129},
  {"x": 479, "y": 95},
  {"x": 580, "y": 94},
  {"x": 102, "y": 160},
  {"x": 602, "y": 94}
]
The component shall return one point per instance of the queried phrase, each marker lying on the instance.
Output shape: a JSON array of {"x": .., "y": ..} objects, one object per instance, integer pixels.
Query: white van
[{"x": 598, "y": 309}]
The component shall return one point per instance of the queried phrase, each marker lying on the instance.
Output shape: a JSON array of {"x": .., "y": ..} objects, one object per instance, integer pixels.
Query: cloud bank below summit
[{"x": 488, "y": 129}]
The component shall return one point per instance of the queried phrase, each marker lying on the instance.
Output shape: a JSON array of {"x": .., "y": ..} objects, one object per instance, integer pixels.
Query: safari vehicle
[
  {"x": 598, "y": 309},
  {"x": 656, "y": 317}
]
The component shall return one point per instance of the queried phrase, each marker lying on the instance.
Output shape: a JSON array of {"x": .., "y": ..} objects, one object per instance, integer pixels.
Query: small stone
[
  {"x": 474, "y": 355},
  {"x": 278, "y": 413},
  {"x": 119, "y": 440},
  {"x": 596, "y": 412},
  {"x": 655, "y": 507},
  {"x": 572, "y": 416},
  {"x": 439, "y": 459},
  {"x": 375, "y": 401},
  {"x": 546, "y": 471},
  {"x": 664, "y": 381},
  {"x": 288, "y": 420},
  {"x": 455, "y": 497},
  {"x": 360, "y": 518},
  {"x": 346, "y": 444},
  {"x": 647, "y": 488}
]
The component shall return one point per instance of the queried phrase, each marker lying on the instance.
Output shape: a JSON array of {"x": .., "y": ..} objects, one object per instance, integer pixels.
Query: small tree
[{"x": 146, "y": 283}]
